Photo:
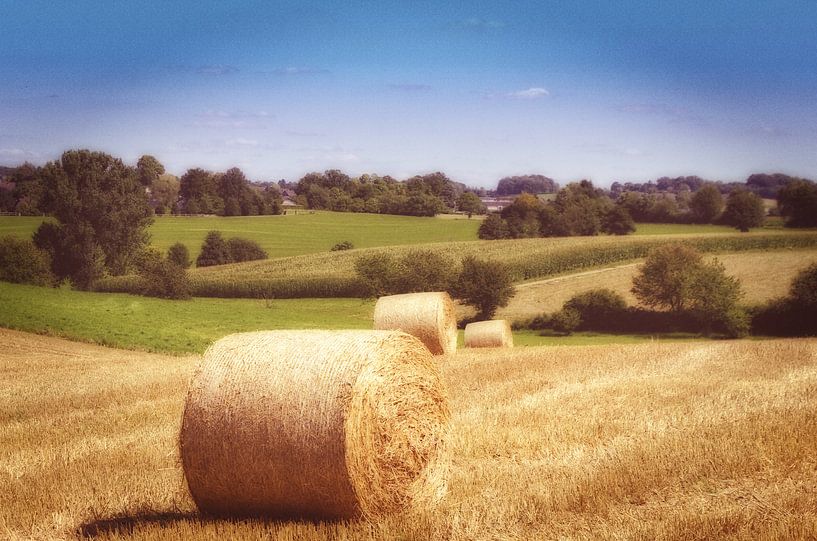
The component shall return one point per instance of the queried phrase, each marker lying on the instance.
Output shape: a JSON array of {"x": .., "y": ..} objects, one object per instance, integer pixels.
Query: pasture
[
  {"x": 293, "y": 234},
  {"x": 699, "y": 440}
]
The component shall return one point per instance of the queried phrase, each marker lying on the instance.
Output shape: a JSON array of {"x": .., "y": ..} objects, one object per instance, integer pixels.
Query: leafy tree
[
  {"x": 522, "y": 216},
  {"x": 21, "y": 262},
  {"x": 566, "y": 320},
  {"x": 162, "y": 277},
  {"x": 424, "y": 270},
  {"x": 164, "y": 193},
  {"x": 149, "y": 169},
  {"x": 526, "y": 184},
  {"x": 102, "y": 216},
  {"x": 471, "y": 204},
  {"x": 803, "y": 289},
  {"x": 798, "y": 203},
  {"x": 618, "y": 221},
  {"x": 214, "y": 251},
  {"x": 599, "y": 309},
  {"x": 665, "y": 279},
  {"x": 744, "y": 210},
  {"x": 485, "y": 285},
  {"x": 180, "y": 255},
  {"x": 244, "y": 250},
  {"x": 675, "y": 276},
  {"x": 198, "y": 191},
  {"x": 493, "y": 227},
  {"x": 793, "y": 315},
  {"x": 379, "y": 271},
  {"x": 706, "y": 204}
]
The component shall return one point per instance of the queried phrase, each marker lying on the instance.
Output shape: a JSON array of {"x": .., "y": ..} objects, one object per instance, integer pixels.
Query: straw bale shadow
[{"x": 128, "y": 523}]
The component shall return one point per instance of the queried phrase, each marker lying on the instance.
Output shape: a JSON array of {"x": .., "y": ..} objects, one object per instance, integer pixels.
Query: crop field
[
  {"x": 332, "y": 274},
  {"x": 699, "y": 440},
  {"x": 763, "y": 276},
  {"x": 293, "y": 234}
]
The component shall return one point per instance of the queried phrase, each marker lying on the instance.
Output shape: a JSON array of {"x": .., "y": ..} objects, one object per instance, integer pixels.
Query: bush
[
  {"x": 214, "y": 251},
  {"x": 794, "y": 315},
  {"x": 244, "y": 250},
  {"x": 493, "y": 227},
  {"x": 379, "y": 273},
  {"x": 803, "y": 291},
  {"x": 163, "y": 278},
  {"x": 179, "y": 255},
  {"x": 21, "y": 262},
  {"x": 566, "y": 320},
  {"x": 485, "y": 285},
  {"x": 618, "y": 221},
  {"x": 744, "y": 210},
  {"x": 599, "y": 309},
  {"x": 344, "y": 245}
]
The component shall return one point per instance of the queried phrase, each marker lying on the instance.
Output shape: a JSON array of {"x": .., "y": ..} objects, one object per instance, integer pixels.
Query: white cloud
[
  {"x": 530, "y": 93},
  {"x": 298, "y": 70},
  {"x": 216, "y": 69},
  {"x": 241, "y": 142},
  {"x": 17, "y": 153}
]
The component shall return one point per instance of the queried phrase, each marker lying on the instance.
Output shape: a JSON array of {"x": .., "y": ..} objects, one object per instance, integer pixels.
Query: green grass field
[
  {"x": 143, "y": 323},
  {"x": 295, "y": 234}
]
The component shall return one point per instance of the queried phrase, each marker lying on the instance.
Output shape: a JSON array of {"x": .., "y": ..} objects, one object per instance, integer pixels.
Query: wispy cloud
[
  {"x": 296, "y": 133},
  {"x": 216, "y": 69},
  {"x": 671, "y": 113},
  {"x": 532, "y": 93},
  {"x": 241, "y": 142},
  {"x": 233, "y": 119},
  {"x": 296, "y": 70},
  {"x": 476, "y": 23},
  {"x": 410, "y": 87},
  {"x": 18, "y": 153}
]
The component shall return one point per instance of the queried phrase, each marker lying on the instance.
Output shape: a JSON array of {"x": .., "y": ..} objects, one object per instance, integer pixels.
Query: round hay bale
[
  {"x": 489, "y": 334},
  {"x": 428, "y": 316},
  {"x": 315, "y": 424}
]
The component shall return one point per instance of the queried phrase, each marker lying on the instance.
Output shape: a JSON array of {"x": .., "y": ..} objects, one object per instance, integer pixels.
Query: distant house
[{"x": 495, "y": 203}]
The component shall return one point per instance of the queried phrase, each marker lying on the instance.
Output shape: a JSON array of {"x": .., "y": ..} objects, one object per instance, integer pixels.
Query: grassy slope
[
  {"x": 290, "y": 235},
  {"x": 763, "y": 275},
  {"x": 143, "y": 323},
  {"x": 133, "y": 322},
  {"x": 659, "y": 442}
]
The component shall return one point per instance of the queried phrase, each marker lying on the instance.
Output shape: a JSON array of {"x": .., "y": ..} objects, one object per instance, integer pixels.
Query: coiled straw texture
[
  {"x": 315, "y": 424},
  {"x": 489, "y": 334},
  {"x": 428, "y": 316}
]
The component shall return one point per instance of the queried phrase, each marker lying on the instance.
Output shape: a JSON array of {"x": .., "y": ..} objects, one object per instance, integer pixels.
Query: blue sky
[{"x": 608, "y": 91}]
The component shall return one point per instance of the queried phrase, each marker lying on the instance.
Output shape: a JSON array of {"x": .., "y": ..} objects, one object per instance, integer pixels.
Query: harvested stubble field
[
  {"x": 763, "y": 276},
  {"x": 332, "y": 274},
  {"x": 670, "y": 441}
]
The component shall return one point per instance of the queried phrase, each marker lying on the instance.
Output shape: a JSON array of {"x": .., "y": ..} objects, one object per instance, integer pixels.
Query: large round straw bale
[
  {"x": 314, "y": 424},
  {"x": 489, "y": 334},
  {"x": 428, "y": 316}
]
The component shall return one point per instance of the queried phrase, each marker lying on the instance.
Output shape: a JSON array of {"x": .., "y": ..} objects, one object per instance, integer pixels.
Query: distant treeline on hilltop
[{"x": 230, "y": 193}]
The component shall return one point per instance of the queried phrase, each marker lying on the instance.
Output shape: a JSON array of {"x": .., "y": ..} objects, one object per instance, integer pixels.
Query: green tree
[
  {"x": 214, "y": 250},
  {"x": 180, "y": 255},
  {"x": 164, "y": 193},
  {"x": 803, "y": 289},
  {"x": 522, "y": 216},
  {"x": 23, "y": 263},
  {"x": 706, "y": 204},
  {"x": 470, "y": 203},
  {"x": 162, "y": 277},
  {"x": 493, "y": 227},
  {"x": 617, "y": 221},
  {"x": 149, "y": 169},
  {"x": 102, "y": 215},
  {"x": 714, "y": 300},
  {"x": 744, "y": 210},
  {"x": 798, "y": 203},
  {"x": 244, "y": 250},
  {"x": 197, "y": 188},
  {"x": 485, "y": 285},
  {"x": 665, "y": 279}
]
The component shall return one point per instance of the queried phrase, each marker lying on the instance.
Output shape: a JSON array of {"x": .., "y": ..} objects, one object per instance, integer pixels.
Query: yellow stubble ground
[
  {"x": 763, "y": 276},
  {"x": 698, "y": 440}
]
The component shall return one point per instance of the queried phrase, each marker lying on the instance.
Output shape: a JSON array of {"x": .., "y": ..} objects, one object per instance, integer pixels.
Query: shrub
[
  {"x": 179, "y": 255},
  {"x": 566, "y": 320},
  {"x": 424, "y": 270},
  {"x": 599, "y": 309},
  {"x": 744, "y": 210},
  {"x": 794, "y": 315},
  {"x": 485, "y": 285},
  {"x": 378, "y": 271},
  {"x": 344, "y": 245},
  {"x": 803, "y": 289},
  {"x": 163, "y": 278},
  {"x": 214, "y": 251},
  {"x": 21, "y": 262},
  {"x": 617, "y": 221},
  {"x": 493, "y": 227},
  {"x": 244, "y": 250}
]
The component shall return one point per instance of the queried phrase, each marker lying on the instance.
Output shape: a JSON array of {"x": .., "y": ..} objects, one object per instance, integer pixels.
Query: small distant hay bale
[
  {"x": 315, "y": 424},
  {"x": 431, "y": 317},
  {"x": 489, "y": 334}
]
